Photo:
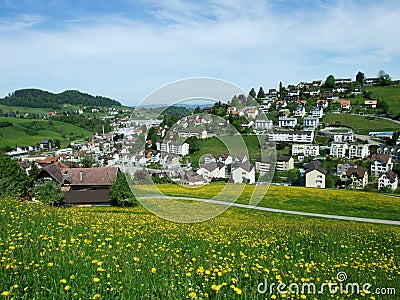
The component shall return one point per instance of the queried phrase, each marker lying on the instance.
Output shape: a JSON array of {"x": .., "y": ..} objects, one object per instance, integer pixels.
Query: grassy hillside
[
  {"x": 25, "y": 132},
  {"x": 389, "y": 94},
  {"x": 215, "y": 147},
  {"x": 360, "y": 124},
  {"x": 345, "y": 202},
  {"x": 110, "y": 253}
]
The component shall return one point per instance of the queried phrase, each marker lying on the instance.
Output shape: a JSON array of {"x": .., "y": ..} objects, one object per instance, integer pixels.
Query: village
[{"x": 305, "y": 151}]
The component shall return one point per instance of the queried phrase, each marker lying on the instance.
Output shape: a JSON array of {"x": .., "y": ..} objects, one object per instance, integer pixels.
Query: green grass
[
  {"x": 360, "y": 124},
  {"x": 325, "y": 201},
  {"x": 111, "y": 253},
  {"x": 389, "y": 94},
  {"x": 25, "y": 132},
  {"x": 215, "y": 146}
]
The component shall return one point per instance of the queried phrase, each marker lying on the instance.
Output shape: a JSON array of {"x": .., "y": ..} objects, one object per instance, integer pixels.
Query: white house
[
  {"x": 284, "y": 163},
  {"x": 173, "y": 147},
  {"x": 311, "y": 122},
  {"x": 381, "y": 163},
  {"x": 344, "y": 137},
  {"x": 315, "y": 175},
  {"x": 300, "y": 111},
  {"x": 252, "y": 113},
  {"x": 243, "y": 173},
  {"x": 356, "y": 178},
  {"x": 263, "y": 124},
  {"x": 345, "y": 104},
  {"x": 212, "y": 170},
  {"x": 317, "y": 112},
  {"x": 263, "y": 165},
  {"x": 294, "y": 136},
  {"x": 358, "y": 151},
  {"x": 287, "y": 122},
  {"x": 306, "y": 150},
  {"x": 338, "y": 149},
  {"x": 388, "y": 179},
  {"x": 225, "y": 158}
]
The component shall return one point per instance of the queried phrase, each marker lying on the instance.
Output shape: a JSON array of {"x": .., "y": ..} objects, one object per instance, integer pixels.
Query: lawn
[
  {"x": 326, "y": 201},
  {"x": 360, "y": 124},
  {"x": 26, "y": 132},
  {"x": 389, "y": 94},
  {"x": 111, "y": 253},
  {"x": 216, "y": 146}
]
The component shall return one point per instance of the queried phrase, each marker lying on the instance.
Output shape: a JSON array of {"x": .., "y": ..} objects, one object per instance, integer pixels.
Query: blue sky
[{"x": 125, "y": 49}]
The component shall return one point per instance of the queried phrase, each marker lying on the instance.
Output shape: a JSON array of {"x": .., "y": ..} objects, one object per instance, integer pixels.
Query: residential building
[
  {"x": 356, "y": 178},
  {"x": 359, "y": 151},
  {"x": 194, "y": 132},
  {"x": 345, "y": 104},
  {"x": 305, "y": 150},
  {"x": 284, "y": 163},
  {"x": 252, "y": 113},
  {"x": 212, "y": 170},
  {"x": 370, "y": 81},
  {"x": 389, "y": 180},
  {"x": 339, "y": 149},
  {"x": 225, "y": 158},
  {"x": 294, "y": 136},
  {"x": 371, "y": 103},
  {"x": 263, "y": 124},
  {"x": 323, "y": 103},
  {"x": 317, "y": 112},
  {"x": 243, "y": 173},
  {"x": 343, "y": 137},
  {"x": 311, "y": 122},
  {"x": 192, "y": 178},
  {"x": 300, "y": 111},
  {"x": 381, "y": 163},
  {"x": 284, "y": 113},
  {"x": 82, "y": 185},
  {"x": 315, "y": 175},
  {"x": 46, "y": 144},
  {"x": 393, "y": 151},
  {"x": 263, "y": 165},
  {"x": 341, "y": 169},
  {"x": 342, "y": 80},
  {"x": 173, "y": 147},
  {"x": 291, "y": 98},
  {"x": 287, "y": 122}
]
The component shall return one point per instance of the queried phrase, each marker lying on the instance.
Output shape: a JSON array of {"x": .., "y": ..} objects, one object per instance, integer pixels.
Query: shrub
[
  {"x": 13, "y": 180},
  {"x": 120, "y": 192},
  {"x": 48, "y": 192}
]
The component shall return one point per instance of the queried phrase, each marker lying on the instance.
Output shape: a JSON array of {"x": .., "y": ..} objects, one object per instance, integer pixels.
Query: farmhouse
[{"x": 82, "y": 185}]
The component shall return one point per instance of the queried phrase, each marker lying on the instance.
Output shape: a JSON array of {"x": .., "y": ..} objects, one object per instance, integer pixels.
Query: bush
[
  {"x": 13, "y": 180},
  {"x": 48, "y": 192},
  {"x": 120, "y": 192}
]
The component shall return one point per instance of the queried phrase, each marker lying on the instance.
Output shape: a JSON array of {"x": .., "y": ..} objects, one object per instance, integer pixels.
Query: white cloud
[{"x": 250, "y": 44}]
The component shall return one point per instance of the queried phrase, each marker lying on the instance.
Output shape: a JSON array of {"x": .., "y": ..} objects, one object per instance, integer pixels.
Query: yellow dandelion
[
  {"x": 63, "y": 281},
  {"x": 67, "y": 288},
  {"x": 153, "y": 270},
  {"x": 96, "y": 280},
  {"x": 96, "y": 296},
  {"x": 5, "y": 293},
  {"x": 50, "y": 264}
]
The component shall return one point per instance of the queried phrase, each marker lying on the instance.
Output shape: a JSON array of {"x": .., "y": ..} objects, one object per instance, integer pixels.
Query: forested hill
[{"x": 39, "y": 98}]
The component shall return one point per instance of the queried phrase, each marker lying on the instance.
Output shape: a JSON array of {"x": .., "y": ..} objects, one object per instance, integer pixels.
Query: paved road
[{"x": 282, "y": 211}]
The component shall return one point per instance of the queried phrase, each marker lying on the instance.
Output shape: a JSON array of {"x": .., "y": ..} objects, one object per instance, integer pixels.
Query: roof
[
  {"x": 315, "y": 165},
  {"x": 390, "y": 175},
  {"x": 381, "y": 157},
  {"x": 359, "y": 172},
  {"x": 45, "y": 141},
  {"x": 211, "y": 166},
  {"x": 245, "y": 166},
  {"x": 82, "y": 176},
  {"x": 370, "y": 102},
  {"x": 48, "y": 160},
  {"x": 283, "y": 158},
  {"x": 344, "y": 102}
]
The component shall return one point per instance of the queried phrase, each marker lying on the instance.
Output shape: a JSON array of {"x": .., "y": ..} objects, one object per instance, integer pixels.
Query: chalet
[
  {"x": 371, "y": 103},
  {"x": 46, "y": 144},
  {"x": 356, "y": 178},
  {"x": 192, "y": 178},
  {"x": 345, "y": 104},
  {"x": 381, "y": 163},
  {"x": 389, "y": 180},
  {"x": 225, "y": 158},
  {"x": 212, "y": 170},
  {"x": 82, "y": 185}
]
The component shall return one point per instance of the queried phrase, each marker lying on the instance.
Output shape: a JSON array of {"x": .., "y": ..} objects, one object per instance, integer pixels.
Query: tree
[
  {"x": 194, "y": 144},
  {"x": 235, "y": 101},
  {"x": 197, "y": 110},
  {"x": 153, "y": 137},
  {"x": 329, "y": 181},
  {"x": 384, "y": 79},
  {"x": 48, "y": 192},
  {"x": 87, "y": 161},
  {"x": 253, "y": 93},
  {"x": 383, "y": 106},
  {"x": 261, "y": 93},
  {"x": 13, "y": 179},
  {"x": 360, "y": 77},
  {"x": 120, "y": 192},
  {"x": 33, "y": 172},
  {"x": 330, "y": 82},
  {"x": 57, "y": 143}
]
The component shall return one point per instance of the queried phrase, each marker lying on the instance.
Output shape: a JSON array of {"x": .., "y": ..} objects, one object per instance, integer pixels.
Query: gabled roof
[
  {"x": 390, "y": 175},
  {"x": 381, "y": 158},
  {"x": 283, "y": 158},
  {"x": 315, "y": 165},
  {"x": 359, "y": 172},
  {"x": 245, "y": 166}
]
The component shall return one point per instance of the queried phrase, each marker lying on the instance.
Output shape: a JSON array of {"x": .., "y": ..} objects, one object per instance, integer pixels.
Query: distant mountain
[{"x": 44, "y": 99}]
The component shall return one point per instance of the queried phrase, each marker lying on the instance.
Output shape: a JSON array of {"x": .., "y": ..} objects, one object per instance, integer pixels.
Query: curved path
[{"x": 282, "y": 211}]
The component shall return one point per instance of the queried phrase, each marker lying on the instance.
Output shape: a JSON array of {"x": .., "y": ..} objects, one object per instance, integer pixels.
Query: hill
[
  {"x": 26, "y": 132},
  {"x": 39, "y": 98}
]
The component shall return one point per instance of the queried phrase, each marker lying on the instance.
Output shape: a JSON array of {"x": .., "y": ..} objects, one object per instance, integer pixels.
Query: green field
[
  {"x": 215, "y": 146},
  {"x": 325, "y": 201},
  {"x": 26, "y": 132},
  {"x": 360, "y": 124},
  {"x": 111, "y": 253},
  {"x": 389, "y": 94}
]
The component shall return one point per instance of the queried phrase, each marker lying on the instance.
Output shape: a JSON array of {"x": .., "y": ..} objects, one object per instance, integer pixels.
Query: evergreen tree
[
  {"x": 253, "y": 93},
  {"x": 330, "y": 82},
  {"x": 261, "y": 93},
  {"x": 120, "y": 192},
  {"x": 13, "y": 179},
  {"x": 360, "y": 77}
]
